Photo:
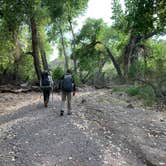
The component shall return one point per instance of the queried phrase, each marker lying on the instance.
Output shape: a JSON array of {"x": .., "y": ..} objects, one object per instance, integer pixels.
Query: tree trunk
[
  {"x": 44, "y": 59},
  {"x": 116, "y": 65},
  {"x": 35, "y": 48},
  {"x": 74, "y": 47},
  {"x": 17, "y": 56},
  {"x": 64, "y": 50},
  {"x": 129, "y": 50},
  {"x": 43, "y": 54}
]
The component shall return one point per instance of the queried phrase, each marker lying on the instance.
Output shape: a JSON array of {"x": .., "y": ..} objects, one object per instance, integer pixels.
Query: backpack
[
  {"x": 45, "y": 80},
  {"x": 67, "y": 83}
]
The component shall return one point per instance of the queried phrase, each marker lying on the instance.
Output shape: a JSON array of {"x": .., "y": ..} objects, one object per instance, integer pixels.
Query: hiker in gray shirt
[{"x": 67, "y": 85}]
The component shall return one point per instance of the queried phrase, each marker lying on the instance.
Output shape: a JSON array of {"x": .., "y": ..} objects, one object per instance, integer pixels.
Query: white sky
[{"x": 98, "y": 9}]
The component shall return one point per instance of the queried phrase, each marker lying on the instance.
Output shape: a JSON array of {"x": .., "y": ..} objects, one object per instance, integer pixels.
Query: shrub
[
  {"x": 77, "y": 79},
  {"x": 133, "y": 90},
  {"x": 57, "y": 73},
  {"x": 147, "y": 93}
]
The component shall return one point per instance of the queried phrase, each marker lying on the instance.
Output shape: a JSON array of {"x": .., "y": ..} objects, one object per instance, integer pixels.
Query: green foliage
[
  {"x": 57, "y": 73},
  {"x": 137, "y": 69},
  {"x": 77, "y": 79},
  {"x": 118, "y": 16},
  {"x": 133, "y": 90},
  {"x": 145, "y": 16},
  {"x": 147, "y": 94},
  {"x": 26, "y": 70},
  {"x": 91, "y": 56},
  {"x": 141, "y": 17}
]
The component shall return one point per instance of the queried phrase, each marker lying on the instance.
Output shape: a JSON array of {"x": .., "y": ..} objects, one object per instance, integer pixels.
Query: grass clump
[
  {"x": 146, "y": 92},
  {"x": 133, "y": 90},
  {"x": 119, "y": 88}
]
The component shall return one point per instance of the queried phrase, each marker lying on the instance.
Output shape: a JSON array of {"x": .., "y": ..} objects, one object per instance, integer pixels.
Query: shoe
[
  {"x": 61, "y": 114},
  {"x": 46, "y": 104}
]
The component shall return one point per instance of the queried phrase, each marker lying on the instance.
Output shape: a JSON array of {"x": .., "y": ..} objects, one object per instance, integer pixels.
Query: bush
[
  {"x": 147, "y": 93},
  {"x": 58, "y": 72},
  {"x": 77, "y": 79},
  {"x": 133, "y": 90},
  {"x": 143, "y": 92}
]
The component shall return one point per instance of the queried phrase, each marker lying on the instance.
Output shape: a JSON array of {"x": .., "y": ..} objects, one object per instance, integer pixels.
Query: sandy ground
[{"x": 105, "y": 129}]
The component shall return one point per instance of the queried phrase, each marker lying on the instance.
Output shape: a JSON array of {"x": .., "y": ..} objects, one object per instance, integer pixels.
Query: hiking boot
[
  {"x": 46, "y": 104},
  {"x": 61, "y": 114}
]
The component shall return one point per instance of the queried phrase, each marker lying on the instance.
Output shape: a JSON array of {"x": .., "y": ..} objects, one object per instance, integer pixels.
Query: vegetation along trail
[{"x": 104, "y": 129}]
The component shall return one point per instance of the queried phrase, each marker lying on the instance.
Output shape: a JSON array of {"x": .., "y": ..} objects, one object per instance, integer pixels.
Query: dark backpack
[
  {"x": 45, "y": 80},
  {"x": 67, "y": 83}
]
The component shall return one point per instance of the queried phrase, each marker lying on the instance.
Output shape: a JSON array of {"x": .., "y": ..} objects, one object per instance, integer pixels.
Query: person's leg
[
  {"x": 63, "y": 102},
  {"x": 69, "y": 103},
  {"x": 45, "y": 97}
]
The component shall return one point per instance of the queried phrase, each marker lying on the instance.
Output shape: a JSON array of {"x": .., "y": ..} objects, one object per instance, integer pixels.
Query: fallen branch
[{"x": 16, "y": 91}]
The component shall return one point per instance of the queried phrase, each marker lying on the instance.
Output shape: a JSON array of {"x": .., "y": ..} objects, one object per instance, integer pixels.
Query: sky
[{"x": 96, "y": 9}]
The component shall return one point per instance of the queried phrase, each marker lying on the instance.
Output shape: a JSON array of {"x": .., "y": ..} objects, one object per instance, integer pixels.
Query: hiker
[
  {"x": 67, "y": 85},
  {"x": 46, "y": 84}
]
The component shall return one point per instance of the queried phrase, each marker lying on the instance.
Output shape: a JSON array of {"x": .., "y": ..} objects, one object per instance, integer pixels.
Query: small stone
[
  {"x": 161, "y": 120},
  {"x": 106, "y": 162},
  {"x": 100, "y": 156},
  {"x": 11, "y": 152},
  {"x": 130, "y": 106},
  {"x": 162, "y": 163},
  {"x": 83, "y": 101},
  {"x": 70, "y": 158}
]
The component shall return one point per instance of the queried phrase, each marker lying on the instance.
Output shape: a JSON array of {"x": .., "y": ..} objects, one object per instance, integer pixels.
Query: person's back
[
  {"x": 46, "y": 85},
  {"x": 67, "y": 83}
]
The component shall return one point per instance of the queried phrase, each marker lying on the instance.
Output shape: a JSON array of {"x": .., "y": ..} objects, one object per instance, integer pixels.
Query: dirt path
[{"x": 102, "y": 131}]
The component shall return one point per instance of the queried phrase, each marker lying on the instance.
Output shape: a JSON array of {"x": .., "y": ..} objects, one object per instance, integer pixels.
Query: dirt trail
[{"x": 104, "y": 130}]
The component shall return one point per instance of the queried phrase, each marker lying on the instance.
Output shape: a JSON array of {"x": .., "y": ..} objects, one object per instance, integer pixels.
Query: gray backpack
[{"x": 67, "y": 83}]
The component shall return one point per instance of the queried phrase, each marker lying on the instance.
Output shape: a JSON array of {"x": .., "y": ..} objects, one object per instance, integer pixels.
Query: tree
[
  {"x": 142, "y": 20},
  {"x": 94, "y": 39},
  {"x": 62, "y": 20}
]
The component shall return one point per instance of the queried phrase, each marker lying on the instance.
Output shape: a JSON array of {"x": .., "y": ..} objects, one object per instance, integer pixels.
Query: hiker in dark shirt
[
  {"x": 46, "y": 84},
  {"x": 67, "y": 85}
]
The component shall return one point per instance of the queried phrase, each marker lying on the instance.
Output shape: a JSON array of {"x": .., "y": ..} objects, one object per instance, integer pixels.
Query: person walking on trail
[
  {"x": 46, "y": 84},
  {"x": 67, "y": 85}
]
